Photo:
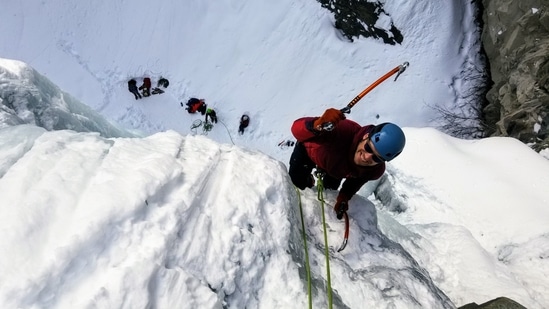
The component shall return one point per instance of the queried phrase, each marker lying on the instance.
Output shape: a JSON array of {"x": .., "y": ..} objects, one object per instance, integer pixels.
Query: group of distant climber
[
  {"x": 199, "y": 105},
  {"x": 145, "y": 88},
  {"x": 193, "y": 104}
]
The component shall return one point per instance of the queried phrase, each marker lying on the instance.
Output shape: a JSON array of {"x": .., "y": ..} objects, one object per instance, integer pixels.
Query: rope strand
[
  {"x": 320, "y": 195},
  {"x": 307, "y": 265}
]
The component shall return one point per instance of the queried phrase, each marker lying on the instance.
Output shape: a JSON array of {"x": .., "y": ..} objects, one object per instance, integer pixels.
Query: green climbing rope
[
  {"x": 207, "y": 127},
  {"x": 307, "y": 265},
  {"x": 320, "y": 196}
]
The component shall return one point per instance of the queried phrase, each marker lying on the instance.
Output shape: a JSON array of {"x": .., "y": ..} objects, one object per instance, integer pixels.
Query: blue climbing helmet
[{"x": 388, "y": 139}]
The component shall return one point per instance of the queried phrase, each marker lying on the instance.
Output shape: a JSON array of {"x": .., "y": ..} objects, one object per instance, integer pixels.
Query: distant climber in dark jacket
[
  {"x": 244, "y": 122},
  {"x": 162, "y": 82},
  {"x": 132, "y": 87}
]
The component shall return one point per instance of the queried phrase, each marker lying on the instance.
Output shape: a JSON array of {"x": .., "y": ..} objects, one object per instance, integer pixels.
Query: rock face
[
  {"x": 516, "y": 40},
  {"x": 498, "y": 303},
  {"x": 356, "y": 18}
]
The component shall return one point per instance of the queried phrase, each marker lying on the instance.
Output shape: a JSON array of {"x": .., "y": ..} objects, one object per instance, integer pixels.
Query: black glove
[
  {"x": 341, "y": 210},
  {"x": 341, "y": 206}
]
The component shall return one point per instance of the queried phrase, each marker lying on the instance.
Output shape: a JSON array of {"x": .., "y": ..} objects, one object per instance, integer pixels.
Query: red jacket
[
  {"x": 334, "y": 152},
  {"x": 146, "y": 83}
]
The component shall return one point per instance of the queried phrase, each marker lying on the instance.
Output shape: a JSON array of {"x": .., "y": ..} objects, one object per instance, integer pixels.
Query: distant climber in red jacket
[
  {"x": 146, "y": 87},
  {"x": 348, "y": 151},
  {"x": 196, "y": 105}
]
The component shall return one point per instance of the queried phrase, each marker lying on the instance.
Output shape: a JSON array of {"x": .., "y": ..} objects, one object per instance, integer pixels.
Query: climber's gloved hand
[
  {"x": 341, "y": 206},
  {"x": 328, "y": 120}
]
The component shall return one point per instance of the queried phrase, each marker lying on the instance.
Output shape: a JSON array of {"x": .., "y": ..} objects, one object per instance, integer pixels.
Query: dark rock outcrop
[
  {"x": 359, "y": 17},
  {"x": 516, "y": 40},
  {"x": 498, "y": 303}
]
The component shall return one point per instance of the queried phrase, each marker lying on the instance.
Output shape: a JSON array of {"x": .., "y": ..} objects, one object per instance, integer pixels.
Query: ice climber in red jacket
[{"x": 348, "y": 151}]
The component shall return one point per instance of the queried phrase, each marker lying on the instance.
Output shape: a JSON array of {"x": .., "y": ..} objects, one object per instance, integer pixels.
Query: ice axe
[
  {"x": 347, "y": 109},
  {"x": 346, "y": 235}
]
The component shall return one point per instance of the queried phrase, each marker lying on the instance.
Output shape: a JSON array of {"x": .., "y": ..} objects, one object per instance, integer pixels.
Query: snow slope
[{"x": 100, "y": 221}]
